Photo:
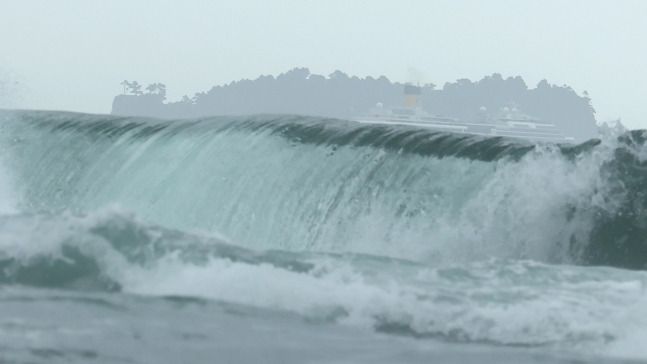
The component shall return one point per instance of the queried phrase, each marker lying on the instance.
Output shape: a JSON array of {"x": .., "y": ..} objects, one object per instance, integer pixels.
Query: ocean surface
[{"x": 286, "y": 239}]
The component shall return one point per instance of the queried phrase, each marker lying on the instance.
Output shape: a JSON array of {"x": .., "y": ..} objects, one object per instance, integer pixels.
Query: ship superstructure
[{"x": 508, "y": 122}]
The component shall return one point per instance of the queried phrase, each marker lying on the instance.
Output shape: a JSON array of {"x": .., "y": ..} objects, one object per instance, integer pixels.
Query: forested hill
[{"x": 339, "y": 95}]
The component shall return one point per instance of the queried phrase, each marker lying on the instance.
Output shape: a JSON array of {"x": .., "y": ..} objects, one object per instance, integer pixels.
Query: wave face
[{"x": 311, "y": 184}]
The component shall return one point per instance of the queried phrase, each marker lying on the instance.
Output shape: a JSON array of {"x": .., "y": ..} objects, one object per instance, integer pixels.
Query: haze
[{"x": 73, "y": 55}]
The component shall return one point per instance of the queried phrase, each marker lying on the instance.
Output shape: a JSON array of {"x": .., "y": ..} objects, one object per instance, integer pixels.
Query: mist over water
[{"x": 389, "y": 230}]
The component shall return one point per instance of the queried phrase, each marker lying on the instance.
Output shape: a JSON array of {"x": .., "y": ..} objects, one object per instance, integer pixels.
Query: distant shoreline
[{"x": 341, "y": 96}]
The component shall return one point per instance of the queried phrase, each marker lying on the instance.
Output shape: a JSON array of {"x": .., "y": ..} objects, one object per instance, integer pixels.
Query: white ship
[{"x": 508, "y": 123}]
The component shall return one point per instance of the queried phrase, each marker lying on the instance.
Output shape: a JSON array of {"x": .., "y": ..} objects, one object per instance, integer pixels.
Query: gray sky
[{"x": 73, "y": 54}]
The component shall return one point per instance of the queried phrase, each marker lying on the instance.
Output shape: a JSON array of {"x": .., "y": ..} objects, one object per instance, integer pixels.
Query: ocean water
[{"x": 285, "y": 239}]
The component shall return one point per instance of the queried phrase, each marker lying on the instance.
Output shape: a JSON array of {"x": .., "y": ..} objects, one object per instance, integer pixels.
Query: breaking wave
[
  {"x": 399, "y": 230},
  {"x": 310, "y": 184}
]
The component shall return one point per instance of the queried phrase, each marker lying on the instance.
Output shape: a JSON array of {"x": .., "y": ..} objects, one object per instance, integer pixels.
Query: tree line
[{"x": 134, "y": 88}]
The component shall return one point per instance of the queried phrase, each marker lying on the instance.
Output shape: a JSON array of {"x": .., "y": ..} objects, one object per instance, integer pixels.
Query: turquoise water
[{"x": 291, "y": 239}]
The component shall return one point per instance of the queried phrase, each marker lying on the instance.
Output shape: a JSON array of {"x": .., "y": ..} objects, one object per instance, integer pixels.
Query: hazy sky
[{"x": 73, "y": 54}]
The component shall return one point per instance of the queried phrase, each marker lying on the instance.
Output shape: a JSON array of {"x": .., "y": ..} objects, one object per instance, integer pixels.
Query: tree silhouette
[
  {"x": 127, "y": 85},
  {"x": 136, "y": 88},
  {"x": 157, "y": 89}
]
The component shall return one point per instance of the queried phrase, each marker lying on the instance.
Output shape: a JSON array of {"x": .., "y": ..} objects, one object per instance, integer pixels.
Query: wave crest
[{"x": 311, "y": 184}]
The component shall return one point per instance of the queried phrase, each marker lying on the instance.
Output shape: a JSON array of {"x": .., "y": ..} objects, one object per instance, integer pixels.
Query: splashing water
[{"x": 449, "y": 239}]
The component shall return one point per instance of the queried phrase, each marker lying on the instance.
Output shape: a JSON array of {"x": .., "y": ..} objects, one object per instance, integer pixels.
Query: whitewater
[{"x": 291, "y": 239}]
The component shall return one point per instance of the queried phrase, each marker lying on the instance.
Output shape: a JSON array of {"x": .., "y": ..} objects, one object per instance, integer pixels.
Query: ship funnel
[{"x": 411, "y": 95}]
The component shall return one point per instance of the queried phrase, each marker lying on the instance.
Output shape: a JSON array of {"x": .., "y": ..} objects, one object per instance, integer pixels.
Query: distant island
[{"x": 341, "y": 96}]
